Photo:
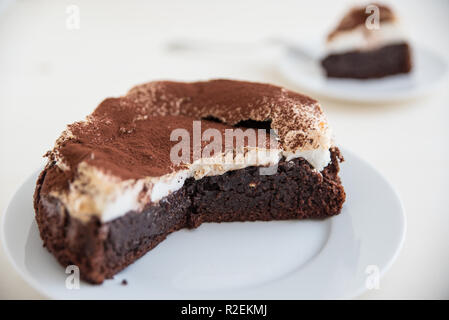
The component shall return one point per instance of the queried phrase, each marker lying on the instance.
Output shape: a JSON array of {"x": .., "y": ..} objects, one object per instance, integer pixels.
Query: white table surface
[{"x": 51, "y": 76}]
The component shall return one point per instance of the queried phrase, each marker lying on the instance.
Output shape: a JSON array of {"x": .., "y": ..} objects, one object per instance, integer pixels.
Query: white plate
[
  {"x": 332, "y": 258},
  {"x": 429, "y": 72}
]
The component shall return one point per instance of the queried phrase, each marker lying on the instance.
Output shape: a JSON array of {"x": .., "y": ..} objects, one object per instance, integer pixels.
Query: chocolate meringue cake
[
  {"x": 355, "y": 50},
  {"x": 111, "y": 190}
]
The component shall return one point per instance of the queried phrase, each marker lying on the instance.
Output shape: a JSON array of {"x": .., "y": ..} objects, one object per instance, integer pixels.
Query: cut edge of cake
[{"x": 80, "y": 173}]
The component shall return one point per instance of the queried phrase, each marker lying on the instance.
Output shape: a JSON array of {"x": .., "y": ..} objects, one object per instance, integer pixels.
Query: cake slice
[
  {"x": 361, "y": 50},
  {"x": 160, "y": 159}
]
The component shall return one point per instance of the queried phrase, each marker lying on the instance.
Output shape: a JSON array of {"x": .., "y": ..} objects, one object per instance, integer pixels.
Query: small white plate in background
[{"x": 429, "y": 72}]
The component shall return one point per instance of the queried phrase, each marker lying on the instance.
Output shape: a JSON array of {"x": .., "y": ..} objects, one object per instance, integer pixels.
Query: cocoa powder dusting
[{"x": 129, "y": 137}]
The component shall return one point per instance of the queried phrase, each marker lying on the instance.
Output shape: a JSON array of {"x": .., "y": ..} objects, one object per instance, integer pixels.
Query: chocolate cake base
[
  {"x": 385, "y": 61},
  {"x": 100, "y": 250}
]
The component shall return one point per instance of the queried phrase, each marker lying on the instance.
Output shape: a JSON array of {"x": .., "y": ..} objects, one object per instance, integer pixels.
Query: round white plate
[
  {"x": 334, "y": 258},
  {"x": 429, "y": 72}
]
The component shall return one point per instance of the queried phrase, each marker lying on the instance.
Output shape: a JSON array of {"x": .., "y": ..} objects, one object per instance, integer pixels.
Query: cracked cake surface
[{"x": 122, "y": 150}]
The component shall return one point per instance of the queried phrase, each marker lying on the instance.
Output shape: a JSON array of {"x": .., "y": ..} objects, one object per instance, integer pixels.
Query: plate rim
[
  {"x": 24, "y": 275},
  {"x": 30, "y": 280},
  {"x": 403, "y": 215}
]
